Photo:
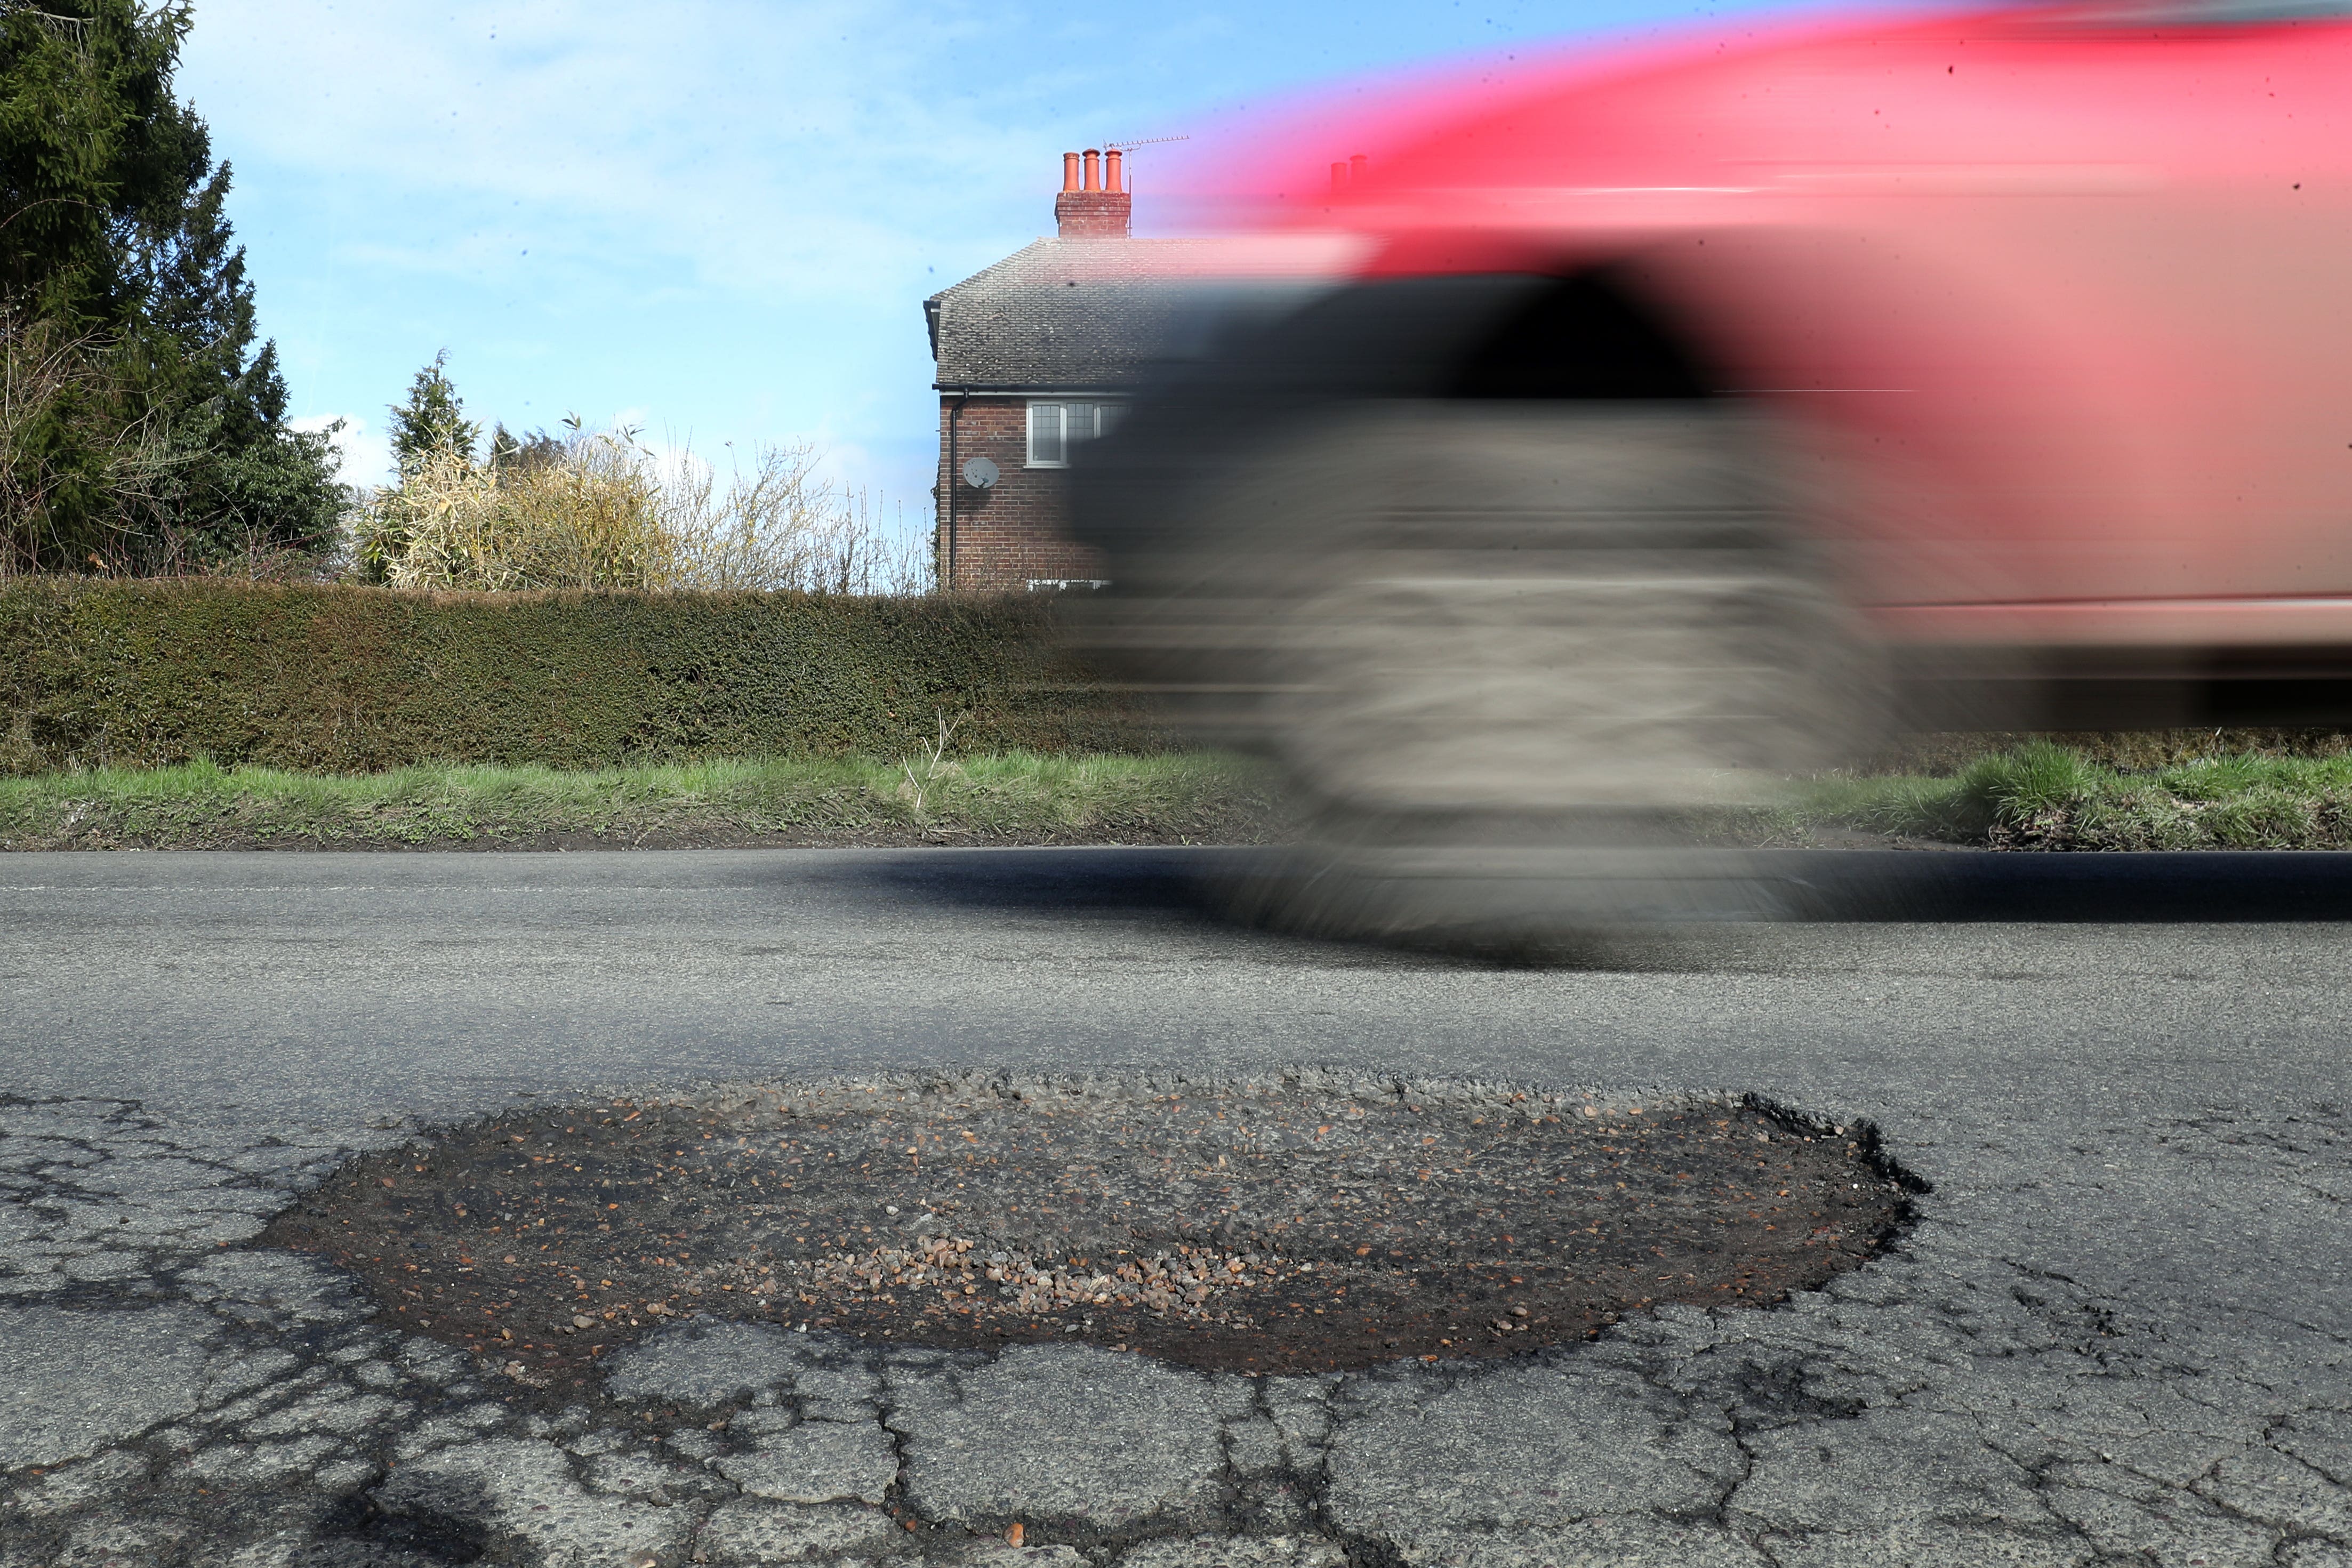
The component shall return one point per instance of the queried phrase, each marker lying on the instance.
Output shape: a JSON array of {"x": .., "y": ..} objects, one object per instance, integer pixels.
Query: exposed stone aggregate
[
  {"x": 1314, "y": 1222},
  {"x": 182, "y": 1401}
]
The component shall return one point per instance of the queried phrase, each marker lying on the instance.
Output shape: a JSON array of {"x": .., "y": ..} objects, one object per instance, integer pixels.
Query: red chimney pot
[{"x": 1089, "y": 207}]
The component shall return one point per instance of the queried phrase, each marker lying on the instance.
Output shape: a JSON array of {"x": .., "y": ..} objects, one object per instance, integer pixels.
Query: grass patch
[
  {"x": 1012, "y": 796},
  {"x": 2038, "y": 795},
  {"x": 2044, "y": 796}
]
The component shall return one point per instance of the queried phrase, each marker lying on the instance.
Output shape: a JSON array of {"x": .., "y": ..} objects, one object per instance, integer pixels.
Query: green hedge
[{"x": 348, "y": 679}]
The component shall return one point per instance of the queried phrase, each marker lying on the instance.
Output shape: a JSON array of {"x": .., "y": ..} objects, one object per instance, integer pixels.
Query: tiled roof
[{"x": 1065, "y": 315}]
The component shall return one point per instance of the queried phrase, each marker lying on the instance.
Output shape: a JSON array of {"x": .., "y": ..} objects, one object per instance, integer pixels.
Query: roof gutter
[{"x": 1030, "y": 389}]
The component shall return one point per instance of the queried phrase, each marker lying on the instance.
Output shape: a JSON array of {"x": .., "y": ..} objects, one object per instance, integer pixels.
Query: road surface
[{"x": 2117, "y": 1334}]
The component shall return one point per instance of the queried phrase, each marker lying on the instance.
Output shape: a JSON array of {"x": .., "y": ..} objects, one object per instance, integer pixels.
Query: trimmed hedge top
[{"x": 351, "y": 679}]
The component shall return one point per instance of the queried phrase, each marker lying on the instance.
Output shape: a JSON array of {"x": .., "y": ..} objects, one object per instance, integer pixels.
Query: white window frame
[{"x": 1056, "y": 409}]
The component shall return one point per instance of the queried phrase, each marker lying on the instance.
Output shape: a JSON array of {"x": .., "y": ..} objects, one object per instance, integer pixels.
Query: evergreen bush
[{"x": 354, "y": 679}]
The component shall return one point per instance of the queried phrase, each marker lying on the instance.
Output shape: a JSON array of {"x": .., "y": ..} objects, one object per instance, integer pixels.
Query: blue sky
[{"x": 717, "y": 219}]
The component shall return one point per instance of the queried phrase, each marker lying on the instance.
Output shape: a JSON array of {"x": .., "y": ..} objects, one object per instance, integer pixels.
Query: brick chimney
[{"x": 1092, "y": 204}]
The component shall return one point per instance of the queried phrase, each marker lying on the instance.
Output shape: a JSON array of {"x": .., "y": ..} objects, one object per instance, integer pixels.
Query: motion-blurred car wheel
[{"x": 1516, "y": 657}]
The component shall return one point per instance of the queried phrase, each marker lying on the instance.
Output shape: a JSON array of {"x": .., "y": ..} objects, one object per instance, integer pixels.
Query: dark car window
[{"x": 2199, "y": 12}]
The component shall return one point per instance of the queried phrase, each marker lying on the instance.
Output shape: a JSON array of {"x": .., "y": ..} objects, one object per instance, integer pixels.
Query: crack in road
[{"x": 173, "y": 1397}]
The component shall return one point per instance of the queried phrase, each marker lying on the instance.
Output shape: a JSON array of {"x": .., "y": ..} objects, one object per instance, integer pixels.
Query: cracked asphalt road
[{"x": 2117, "y": 1334}]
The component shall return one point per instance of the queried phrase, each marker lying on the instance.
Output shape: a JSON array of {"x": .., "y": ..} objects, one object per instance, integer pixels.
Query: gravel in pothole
[{"x": 1301, "y": 1225}]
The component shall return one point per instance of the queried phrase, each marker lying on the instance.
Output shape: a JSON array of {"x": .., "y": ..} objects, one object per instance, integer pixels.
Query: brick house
[{"x": 1034, "y": 357}]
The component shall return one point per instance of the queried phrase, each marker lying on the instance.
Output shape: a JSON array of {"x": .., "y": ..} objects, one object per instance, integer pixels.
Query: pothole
[{"x": 1313, "y": 1224}]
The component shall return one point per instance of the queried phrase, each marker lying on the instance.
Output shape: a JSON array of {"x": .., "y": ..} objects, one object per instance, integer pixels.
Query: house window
[{"x": 1057, "y": 428}]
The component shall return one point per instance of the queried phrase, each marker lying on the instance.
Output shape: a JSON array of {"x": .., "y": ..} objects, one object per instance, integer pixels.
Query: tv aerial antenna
[{"x": 1125, "y": 147}]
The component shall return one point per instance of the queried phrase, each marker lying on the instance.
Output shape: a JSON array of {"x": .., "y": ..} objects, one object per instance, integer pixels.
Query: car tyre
[{"x": 1517, "y": 658}]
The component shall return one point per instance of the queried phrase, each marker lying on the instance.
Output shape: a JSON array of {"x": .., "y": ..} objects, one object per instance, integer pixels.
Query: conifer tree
[
  {"x": 433, "y": 421},
  {"x": 142, "y": 428}
]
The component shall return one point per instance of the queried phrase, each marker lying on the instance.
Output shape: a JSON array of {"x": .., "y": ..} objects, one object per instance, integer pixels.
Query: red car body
[{"x": 2057, "y": 301}]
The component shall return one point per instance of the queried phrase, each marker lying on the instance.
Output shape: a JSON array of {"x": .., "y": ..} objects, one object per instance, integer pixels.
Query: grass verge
[
  {"x": 2042, "y": 796},
  {"x": 2037, "y": 795},
  {"x": 1007, "y": 797}
]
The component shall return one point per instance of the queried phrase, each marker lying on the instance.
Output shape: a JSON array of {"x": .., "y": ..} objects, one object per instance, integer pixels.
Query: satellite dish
[{"x": 980, "y": 473}]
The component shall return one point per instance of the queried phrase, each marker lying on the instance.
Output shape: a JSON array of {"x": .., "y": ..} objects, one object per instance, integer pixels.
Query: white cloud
[
  {"x": 729, "y": 144},
  {"x": 725, "y": 210},
  {"x": 718, "y": 215},
  {"x": 366, "y": 456}
]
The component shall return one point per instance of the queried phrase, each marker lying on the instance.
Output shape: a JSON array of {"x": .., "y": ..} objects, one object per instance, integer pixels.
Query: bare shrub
[
  {"x": 592, "y": 520},
  {"x": 603, "y": 511},
  {"x": 934, "y": 754},
  {"x": 777, "y": 522}
]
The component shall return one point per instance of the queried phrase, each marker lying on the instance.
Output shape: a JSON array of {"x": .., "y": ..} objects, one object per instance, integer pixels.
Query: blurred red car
[{"x": 1688, "y": 415}]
